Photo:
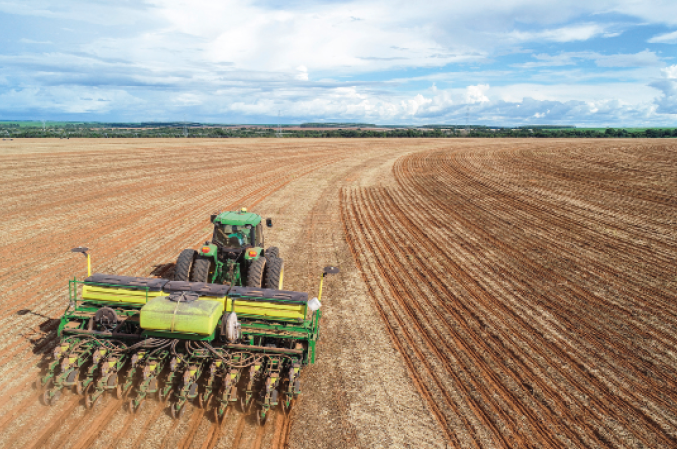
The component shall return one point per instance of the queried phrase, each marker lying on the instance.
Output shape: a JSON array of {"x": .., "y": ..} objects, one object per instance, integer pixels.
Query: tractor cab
[
  {"x": 232, "y": 236},
  {"x": 237, "y": 229},
  {"x": 236, "y": 254}
]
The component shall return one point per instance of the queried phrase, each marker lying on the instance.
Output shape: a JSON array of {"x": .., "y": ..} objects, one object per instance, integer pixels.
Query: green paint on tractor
[
  {"x": 215, "y": 342},
  {"x": 238, "y": 218},
  {"x": 236, "y": 254}
]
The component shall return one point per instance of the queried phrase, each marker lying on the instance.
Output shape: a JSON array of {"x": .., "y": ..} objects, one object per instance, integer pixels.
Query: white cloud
[
  {"x": 71, "y": 100},
  {"x": 667, "y": 102},
  {"x": 302, "y": 73},
  {"x": 251, "y": 58},
  {"x": 667, "y": 38},
  {"x": 644, "y": 58},
  {"x": 31, "y": 41},
  {"x": 124, "y": 13},
  {"x": 670, "y": 72},
  {"x": 574, "y": 33},
  {"x": 654, "y": 11},
  {"x": 561, "y": 59},
  {"x": 320, "y": 37},
  {"x": 324, "y": 37},
  {"x": 555, "y": 104},
  {"x": 477, "y": 94},
  {"x": 626, "y": 93}
]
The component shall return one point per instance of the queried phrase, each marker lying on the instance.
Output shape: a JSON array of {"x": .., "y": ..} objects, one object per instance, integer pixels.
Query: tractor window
[{"x": 231, "y": 236}]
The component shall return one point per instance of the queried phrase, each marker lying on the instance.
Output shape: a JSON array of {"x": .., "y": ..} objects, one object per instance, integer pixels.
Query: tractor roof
[{"x": 238, "y": 218}]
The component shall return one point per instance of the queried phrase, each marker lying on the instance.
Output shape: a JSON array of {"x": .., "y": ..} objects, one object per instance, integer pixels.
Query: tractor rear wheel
[
  {"x": 255, "y": 273},
  {"x": 274, "y": 273},
  {"x": 184, "y": 264},
  {"x": 272, "y": 253},
  {"x": 201, "y": 268}
]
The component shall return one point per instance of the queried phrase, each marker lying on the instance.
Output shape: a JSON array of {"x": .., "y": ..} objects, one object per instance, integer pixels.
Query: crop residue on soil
[
  {"x": 493, "y": 293},
  {"x": 531, "y": 289}
]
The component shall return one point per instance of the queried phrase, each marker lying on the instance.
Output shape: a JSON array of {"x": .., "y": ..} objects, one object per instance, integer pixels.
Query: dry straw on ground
[{"x": 494, "y": 293}]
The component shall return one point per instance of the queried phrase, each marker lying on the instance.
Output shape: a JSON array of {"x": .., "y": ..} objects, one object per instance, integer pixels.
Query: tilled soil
[
  {"x": 136, "y": 204},
  {"x": 493, "y": 293},
  {"x": 531, "y": 287}
]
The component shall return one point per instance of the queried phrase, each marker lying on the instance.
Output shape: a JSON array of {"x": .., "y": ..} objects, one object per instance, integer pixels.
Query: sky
[{"x": 594, "y": 63}]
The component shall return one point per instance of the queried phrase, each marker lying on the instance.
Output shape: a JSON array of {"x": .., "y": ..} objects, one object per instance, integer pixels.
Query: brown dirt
[
  {"x": 531, "y": 287},
  {"x": 493, "y": 293},
  {"x": 137, "y": 203}
]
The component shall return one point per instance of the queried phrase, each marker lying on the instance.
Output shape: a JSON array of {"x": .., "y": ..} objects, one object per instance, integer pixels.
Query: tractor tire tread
[
  {"x": 272, "y": 253},
  {"x": 255, "y": 273},
  {"x": 201, "y": 268},
  {"x": 184, "y": 263},
  {"x": 274, "y": 269}
]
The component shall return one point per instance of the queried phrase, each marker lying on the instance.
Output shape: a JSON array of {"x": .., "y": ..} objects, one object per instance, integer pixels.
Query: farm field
[
  {"x": 493, "y": 293},
  {"x": 532, "y": 289}
]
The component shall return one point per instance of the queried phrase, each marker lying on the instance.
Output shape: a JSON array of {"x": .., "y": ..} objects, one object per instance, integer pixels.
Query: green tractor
[
  {"x": 235, "y": 256},
  {"x": 211, "y": 344}
]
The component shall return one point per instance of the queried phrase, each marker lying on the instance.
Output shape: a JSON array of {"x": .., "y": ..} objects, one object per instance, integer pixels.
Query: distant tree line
[{"x": 96, "y": 131}]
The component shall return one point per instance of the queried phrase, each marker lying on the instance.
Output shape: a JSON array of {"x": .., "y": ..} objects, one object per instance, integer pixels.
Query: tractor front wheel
[
  {"x": 255, "y": 273},
  {"x": 184, "y": 264},
  {"x": 274, "y": 273},
  {"x": 201, "y": 268}
]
